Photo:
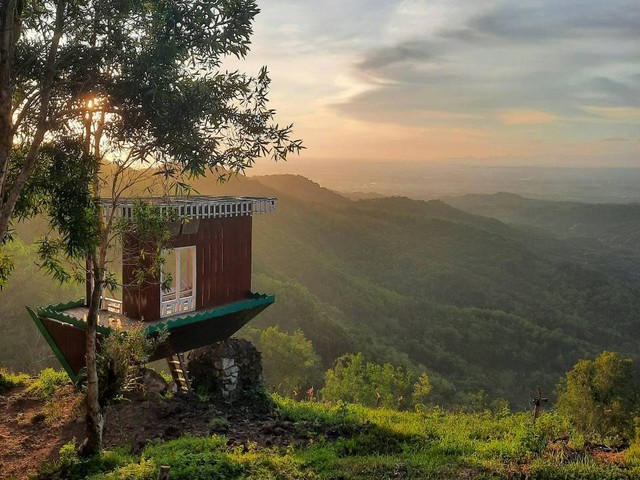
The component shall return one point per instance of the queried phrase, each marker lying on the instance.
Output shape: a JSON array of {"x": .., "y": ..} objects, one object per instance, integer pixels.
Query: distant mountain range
[{"x": 615, "y": 225}]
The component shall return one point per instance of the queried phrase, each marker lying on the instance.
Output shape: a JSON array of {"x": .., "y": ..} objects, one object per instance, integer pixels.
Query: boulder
[{"x": 153, "y": 382}]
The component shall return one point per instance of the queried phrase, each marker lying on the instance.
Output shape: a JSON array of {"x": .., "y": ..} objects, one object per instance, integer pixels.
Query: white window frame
[{"x": 179, "y": 304}]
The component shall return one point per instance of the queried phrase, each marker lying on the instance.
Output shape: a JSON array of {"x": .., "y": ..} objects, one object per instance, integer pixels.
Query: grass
[
  {"x": 354, "y": 442},
  {"x": 10, "y": 380}
]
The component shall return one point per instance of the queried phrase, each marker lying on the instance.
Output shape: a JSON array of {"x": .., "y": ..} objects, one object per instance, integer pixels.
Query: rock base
[{"x": 227, "y": 370}]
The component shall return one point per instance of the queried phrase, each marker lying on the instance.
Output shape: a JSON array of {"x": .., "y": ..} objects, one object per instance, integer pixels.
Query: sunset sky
[{"x": 502, "y": 82}]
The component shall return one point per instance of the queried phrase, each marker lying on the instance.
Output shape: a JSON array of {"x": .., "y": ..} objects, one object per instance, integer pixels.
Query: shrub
[
  {"x": 600, "y": 397},
  {"x": 121, "y": 357},
  {"x": 70, "y": 466},
  {"x": 421, "y": 390}
]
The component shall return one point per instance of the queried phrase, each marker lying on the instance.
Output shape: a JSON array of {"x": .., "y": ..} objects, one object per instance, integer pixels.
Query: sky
[{"x": 520, "y": 82}]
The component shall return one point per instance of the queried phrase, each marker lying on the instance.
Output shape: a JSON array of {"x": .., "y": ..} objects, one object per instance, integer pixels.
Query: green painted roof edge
[
  {"x": 64, "y": 305},
  {"x": 52, "y": 343},
  {"x": 54, "y": 314},
  {"x": 257, "y": 301}
]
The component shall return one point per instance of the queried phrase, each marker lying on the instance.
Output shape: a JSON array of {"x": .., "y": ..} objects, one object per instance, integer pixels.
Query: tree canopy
[{"x": 132, "y": 82}]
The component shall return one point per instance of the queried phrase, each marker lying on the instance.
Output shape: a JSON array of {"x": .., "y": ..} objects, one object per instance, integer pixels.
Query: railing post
[{"x": 164, "y": 472}]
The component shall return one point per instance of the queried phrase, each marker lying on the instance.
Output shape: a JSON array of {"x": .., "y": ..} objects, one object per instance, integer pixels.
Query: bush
[
  {"x": 10, "y": 380},
  {"x": 48, "y": 381},
  {"x": 600, "y": 397}
]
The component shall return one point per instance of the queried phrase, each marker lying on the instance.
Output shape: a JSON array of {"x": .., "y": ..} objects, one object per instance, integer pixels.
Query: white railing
[
  {"x": 199, "y": 206},
  {"x": 173, "y": 307},
  {"x": 111, "y": 305}
]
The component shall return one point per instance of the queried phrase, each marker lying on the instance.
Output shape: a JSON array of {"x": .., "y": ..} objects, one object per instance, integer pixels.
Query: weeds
[
  {"x": 9, "y": 380},
  {"x": 48, "y": 382}
]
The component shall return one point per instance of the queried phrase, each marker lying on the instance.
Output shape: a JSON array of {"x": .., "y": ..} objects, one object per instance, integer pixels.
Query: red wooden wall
[
  {"x": 70, "y": 340},
  {"x": 223, "y": 267}
]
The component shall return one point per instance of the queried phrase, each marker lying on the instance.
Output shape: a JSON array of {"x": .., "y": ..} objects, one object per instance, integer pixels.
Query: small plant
[
  {"x": 218, "y": 425},
  {"x": 9, "y": 380},
  {"x": 342, "y": 413},
  {"x": 166, "y": 376},
  {"x": 63, "y": 407},
  {"x": 48, "y": 381}
]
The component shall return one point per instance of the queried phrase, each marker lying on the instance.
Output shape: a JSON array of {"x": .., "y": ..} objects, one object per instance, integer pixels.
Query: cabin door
[{"x": 180, "y": 297}]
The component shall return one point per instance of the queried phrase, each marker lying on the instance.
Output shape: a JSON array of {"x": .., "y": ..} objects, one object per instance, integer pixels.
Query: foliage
[
  {"x": 121, "y": 357},
  {"x": 421, "y": 390},
  {"x": 289, "y": 361},
  {"x": 147, "y": 233},
  {"x": 71, "y": 466},
  {"x": 10, "y": 380},
  {"x": 47, "y": 382},
  {"x": 6, "y": 267},
  {"x": 355, "y": 380},
  {"x": 600, "y": 397}
]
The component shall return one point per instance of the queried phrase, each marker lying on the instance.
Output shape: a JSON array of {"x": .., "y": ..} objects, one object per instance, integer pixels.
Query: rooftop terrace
[{"x": 196, "y": 206}]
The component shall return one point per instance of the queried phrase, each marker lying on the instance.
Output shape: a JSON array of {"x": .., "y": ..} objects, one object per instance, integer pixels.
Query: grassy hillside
[
  {"x": 478, "y": 303},
  {"x": 351, "y": 442}
]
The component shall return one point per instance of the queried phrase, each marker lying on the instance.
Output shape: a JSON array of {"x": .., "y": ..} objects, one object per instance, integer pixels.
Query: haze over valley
[{"x": 433, "y": 180}]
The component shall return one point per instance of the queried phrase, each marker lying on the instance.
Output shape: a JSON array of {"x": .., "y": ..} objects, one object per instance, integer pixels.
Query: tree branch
[{"x": 42, "y": 124}]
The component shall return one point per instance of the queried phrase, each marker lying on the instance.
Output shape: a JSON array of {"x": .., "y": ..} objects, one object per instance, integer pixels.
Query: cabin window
[{"x": 180, "y": 263}]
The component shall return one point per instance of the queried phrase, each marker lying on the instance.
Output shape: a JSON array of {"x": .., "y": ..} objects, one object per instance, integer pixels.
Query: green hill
[
  {"x": 616, "y": 225},
  {"x": 479, "y": 303}
]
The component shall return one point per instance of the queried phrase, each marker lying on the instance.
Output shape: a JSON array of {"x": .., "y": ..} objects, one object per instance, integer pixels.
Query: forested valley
[{"x": 488, "y": 299}]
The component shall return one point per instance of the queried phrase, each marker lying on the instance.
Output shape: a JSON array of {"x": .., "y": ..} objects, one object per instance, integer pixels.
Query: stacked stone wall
[{"x": 226, "y": 370}]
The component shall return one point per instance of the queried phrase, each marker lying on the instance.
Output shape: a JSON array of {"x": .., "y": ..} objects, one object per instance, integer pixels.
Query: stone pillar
[{"x": 226, "y": 370}]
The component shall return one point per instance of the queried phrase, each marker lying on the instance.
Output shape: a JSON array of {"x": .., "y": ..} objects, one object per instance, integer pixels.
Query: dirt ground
[{"x": 33, "y": 430}]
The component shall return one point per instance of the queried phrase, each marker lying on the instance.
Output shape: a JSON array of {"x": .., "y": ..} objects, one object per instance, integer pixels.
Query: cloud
[
  {"x": 615, "y": 140},
  {"x": 422, "y": 69},
  {"x": 617, "y": 113},
  {"x": 499, "y": 58},
  {"x": 526, "y": 117},
  {"x": 406, "y": 52}
]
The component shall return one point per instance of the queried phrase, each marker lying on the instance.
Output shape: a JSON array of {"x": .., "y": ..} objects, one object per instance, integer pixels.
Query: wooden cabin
[{"x": 209, "y": 299}]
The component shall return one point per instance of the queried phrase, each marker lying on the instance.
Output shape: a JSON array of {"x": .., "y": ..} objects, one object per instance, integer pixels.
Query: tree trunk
[
  {"x": 9, "y": 31},
  {"x": 94, "y": 416}
]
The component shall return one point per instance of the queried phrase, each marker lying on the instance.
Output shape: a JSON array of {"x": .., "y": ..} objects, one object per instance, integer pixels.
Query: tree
[
  {"x": 353, "y": 379},
  {"x": 421, "y": 390},
  {"x": 600, "y": 397},
  {"x": 129, "y": 93},
  {"x": 289, "y": 361}
]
